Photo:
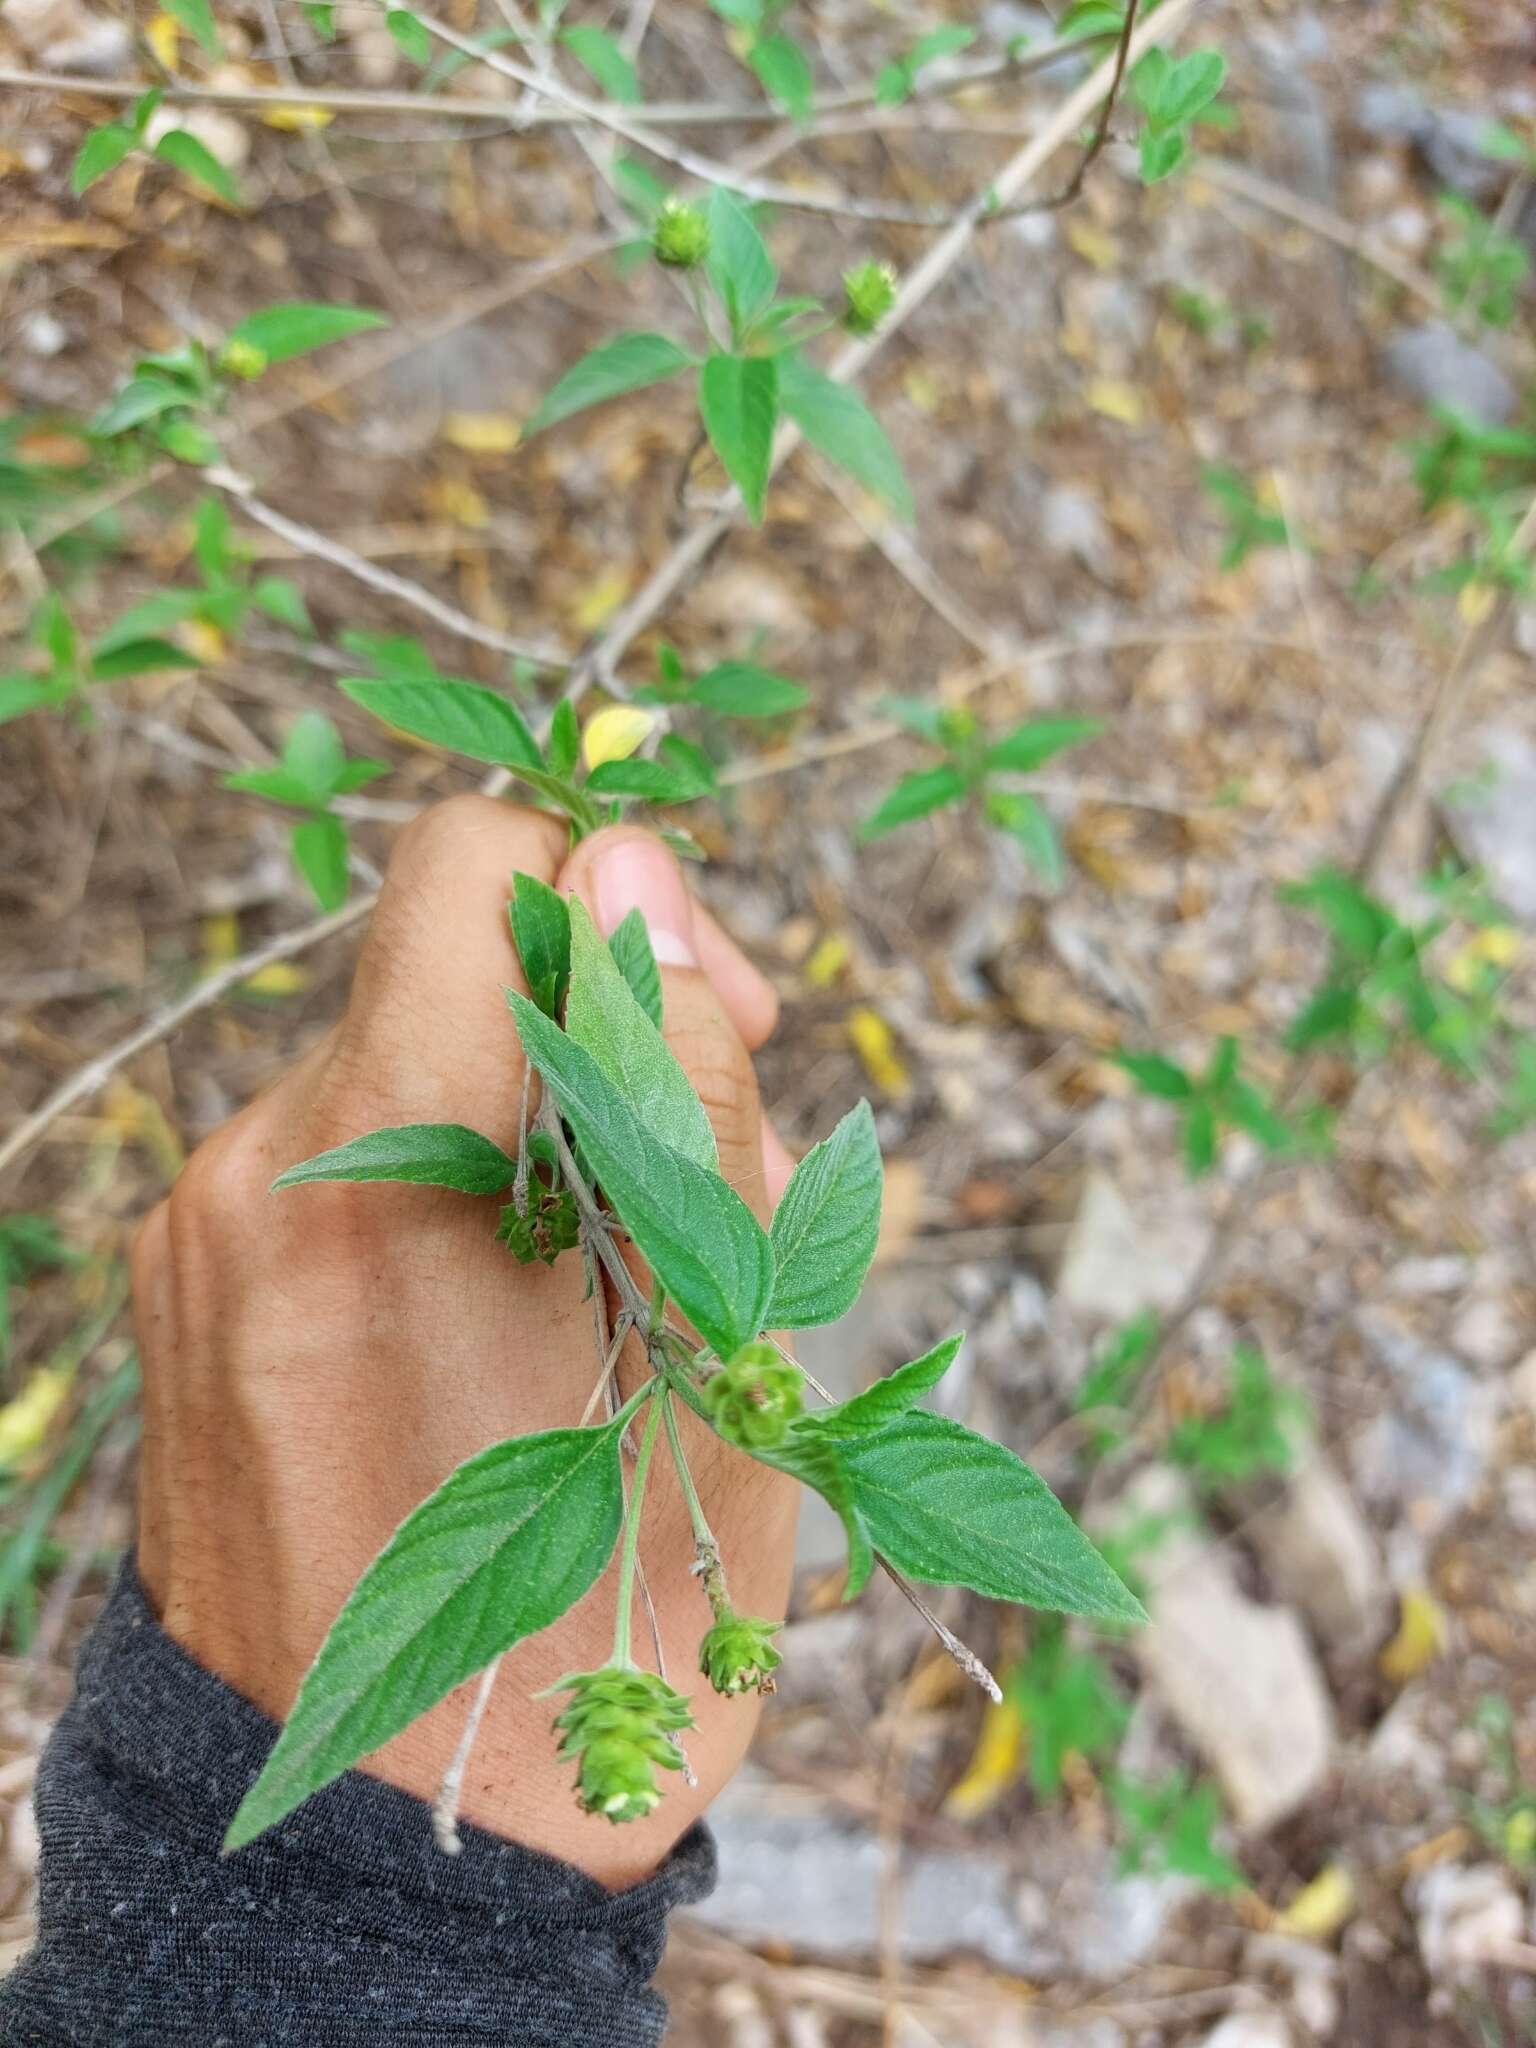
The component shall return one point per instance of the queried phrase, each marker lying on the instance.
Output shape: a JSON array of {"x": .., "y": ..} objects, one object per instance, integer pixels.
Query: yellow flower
[{"x": 614, "y": 733}]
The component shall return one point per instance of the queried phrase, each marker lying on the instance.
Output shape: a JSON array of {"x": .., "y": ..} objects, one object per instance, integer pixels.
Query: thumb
[{"x": 622, "y": 869}]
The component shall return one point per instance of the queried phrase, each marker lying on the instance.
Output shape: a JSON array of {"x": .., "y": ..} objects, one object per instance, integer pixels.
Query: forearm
[{"x": 344, "y": 1925}]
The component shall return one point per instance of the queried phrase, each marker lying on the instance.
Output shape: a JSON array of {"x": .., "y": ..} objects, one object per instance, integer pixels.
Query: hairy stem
[
  {"x": 629, "y": 1555},
  {"x": 709, "y": 1564}
]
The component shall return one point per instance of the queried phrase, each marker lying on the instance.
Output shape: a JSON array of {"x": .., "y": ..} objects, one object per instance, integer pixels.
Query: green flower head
[
  {"x": 755, "y": 1397},
  {"x": 242, "y": 359},
  {"x": 681, "y": 234},
  {"x": 736, "y": 1656},
  {"x": 618, "y": 1725},
  {"x": 870, "y": 289}
]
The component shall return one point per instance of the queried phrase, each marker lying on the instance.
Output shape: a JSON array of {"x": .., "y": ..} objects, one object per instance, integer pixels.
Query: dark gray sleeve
[{"x": 344, "y": 1927}]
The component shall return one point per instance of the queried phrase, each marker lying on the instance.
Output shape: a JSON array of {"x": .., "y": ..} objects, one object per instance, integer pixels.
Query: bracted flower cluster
[
  {"x": 546, "y": 1226},
  {"x": 755, "y": 1397},
  {"x": 870, "y": 292},
  {"x": 619, "y": 1724},
  {"x": 736, "y": 1655}
]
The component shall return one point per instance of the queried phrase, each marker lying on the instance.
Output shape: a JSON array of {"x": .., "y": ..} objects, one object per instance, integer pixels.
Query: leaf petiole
[{"x": 629, "y": 1553}]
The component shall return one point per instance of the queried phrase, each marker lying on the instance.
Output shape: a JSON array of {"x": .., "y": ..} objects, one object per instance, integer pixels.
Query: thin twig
[
  {"x": 658, "y": 114},
  {"x": 445, "y": 1807},
  {"x": 416, "y": 595},
  {"x": 966, "y": 1658},
  {"x": 1094, "y": 148}
]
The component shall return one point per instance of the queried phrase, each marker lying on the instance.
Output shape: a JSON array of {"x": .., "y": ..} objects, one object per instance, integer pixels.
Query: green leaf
[
  {"x": 915, "y": 796},
  {"x": 826, "y": 1225},
  {"x": 739, "y": 405},
  {"x": 1091, "y": 18},
  {"x": 282, "y": 600},
  {"x": 320, "y": 854},
  {"x": 603, "y": 1014},
  {"x": 293, "y": 329},
  {"x": 739, "y": 266},
  {"x": 740, "y": 689},
  {"x": 427, "y": 1155},
  {"x": 541, "y": 931},
  {"x": 1031, "y": 745},
  {"x": 504, "y": 1547},
  {"x": 564, "y": 748},
  {"x": 102, "y": 151},
  {"x": 274, "y": 783},
  {"x": 701, "y": 1240},
  {"x": 1162, "y": 151},
  {"x": 314, "y": 753},
  {"x": 893, "y": 84},
  {"x": 1187, "y": 87},
  {"x": 630, "y": 945},
  {"x": 1359, "y": 924},
  {"x": 137, "y": 658},
  {"x": 21, "y": 694},
  {"x": 1331, "y": 1012},
  {"x": 321, "y": 16},
  {"x": 1024, "y": 818},
  {"x": 464, "y": 717},
  {"x": 785, "y": 74},
  {"x": 596, "y": 51},
  {"x": 410, "y": 32},
  {"x": 1200, "y": 1139},
  {"x": 939, "y": 42},
  {"x": 395, "y": 655},
  {"x": 839, "y": 423},
  {"x": 817, "y": 1461},
  {"x": 194, "y": 159},
  {"x": 141, "y": 398},
  {"x": 627, "y": 363},
  {"x": 1155, "y": 1075},
  {"x": 954, "y": 1509},
  {"x": 196, "y": 16},
  {"x": 654, "y": 782},
  {"x": 889, "y": 1399}
]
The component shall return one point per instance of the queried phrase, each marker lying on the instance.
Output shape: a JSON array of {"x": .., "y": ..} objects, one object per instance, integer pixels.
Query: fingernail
[{"x": 639, "y": 874}]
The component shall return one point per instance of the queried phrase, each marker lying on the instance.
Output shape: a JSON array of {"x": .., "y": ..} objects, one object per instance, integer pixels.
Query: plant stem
[
  {"x": 629, "y": 1556},
  {"x": 710, "y": 1565}
]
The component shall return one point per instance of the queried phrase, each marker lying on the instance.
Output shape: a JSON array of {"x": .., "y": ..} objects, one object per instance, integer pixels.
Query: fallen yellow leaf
[
  {"x": 297, "y": 120},
  {"x": 279, "y": 978},
  {"x": 26, "y": 1420},
  {"x": 1092, "y": 244},
  {"x": 614, "y": 733},
  {"x": 163, "y": 35},
  {"x": 600, "y": 600},
  {"x": 829, "y": 959},
  {"x": 1420, "y": 1639},
  {"x": 1117, "y": 400},
  {"x": 875, "y": 1045},
  {"x": 1475, "y": 602},
  {"x": 482, "y": 433},
  {"x": 221, "y": 939},
  {"x": 995, "y": 1762},
  {"x": 451, "y": 498},
  {"x": 1320, "y": 1908}
]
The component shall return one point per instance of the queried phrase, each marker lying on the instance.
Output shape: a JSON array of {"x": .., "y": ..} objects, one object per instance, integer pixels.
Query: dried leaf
[
  {"x": 995, "y": 1763},
  {"x": 875, "y": 1044},
  {"x": 1420, "y": 1639}
]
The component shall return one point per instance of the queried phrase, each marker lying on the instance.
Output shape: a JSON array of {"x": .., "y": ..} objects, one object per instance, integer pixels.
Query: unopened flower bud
[
  {"x": 736, "y": 1656},
  {"x": 755, "y": 1397},
  {"x": 681, "y": 235},
  {"x": 242, "y": 359},
  {"x": 870, "y": 289}
]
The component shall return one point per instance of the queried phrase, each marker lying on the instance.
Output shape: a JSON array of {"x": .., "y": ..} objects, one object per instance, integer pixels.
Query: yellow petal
[
  {"x": 1497, "y": 945},
  {"x": 26, "y": 1420},
  {"x": 205, "y": 641},
  {"x": 1420, "y": 1638},
  {"x": 295, "y": 120},
  {"x": 1320, "y": 1908},
  {"x": 828, "y": 960},
  {"x": 1117, "y": 400},
  {"x": 163, "y": 36},
  {"x": 995, "y": 1762},
  {"x": 875, "y": 1045},
  {"x": 613, "y": 733},
  {"x": 482, "y": 433}
]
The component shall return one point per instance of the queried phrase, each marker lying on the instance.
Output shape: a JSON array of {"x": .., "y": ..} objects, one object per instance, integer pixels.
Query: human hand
[{"x": 317, "y": 1362}]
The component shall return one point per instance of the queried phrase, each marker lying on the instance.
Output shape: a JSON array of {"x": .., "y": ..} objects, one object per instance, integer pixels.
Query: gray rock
[
  {"x": 1429, "y": 1448},
  {"x": 1468, "y": 1918},
  {"x": 1251, "y": 2030},
  {"x": 1390, "y": 112},
  {"x": 1115, "y": 1263},
  {"x": 1072, "y": 524},
  {"x": 1239, "y": 1678},
  {"x": 1451, "y": 143},
  {"x": 1432, "y": 362},
  {"x": 1323, "y": 1557},
  {"x": 1492, "y": 822}
]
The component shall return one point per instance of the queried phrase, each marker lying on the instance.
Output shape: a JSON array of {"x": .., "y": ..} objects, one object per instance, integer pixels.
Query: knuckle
[{"x": 441, "y": 834}]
